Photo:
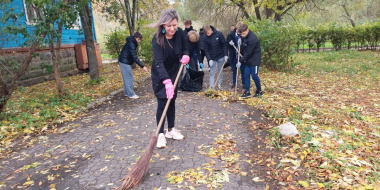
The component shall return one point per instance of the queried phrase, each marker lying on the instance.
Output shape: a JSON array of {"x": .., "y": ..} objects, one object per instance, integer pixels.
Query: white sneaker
[
  {"x": 161, "y": 142},
  {"x": 174, "y": 134},
  {"x": 134, "y": 97}
]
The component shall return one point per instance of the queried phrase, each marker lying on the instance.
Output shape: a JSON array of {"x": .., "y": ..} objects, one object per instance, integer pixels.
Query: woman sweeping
[{"x": 169, "y": 51}]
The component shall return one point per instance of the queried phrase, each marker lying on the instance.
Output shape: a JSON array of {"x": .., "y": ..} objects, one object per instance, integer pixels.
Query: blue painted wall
[{"x": 69, "y": 36}]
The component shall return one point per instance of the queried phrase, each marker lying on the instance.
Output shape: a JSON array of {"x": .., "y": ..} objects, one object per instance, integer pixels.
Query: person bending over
[
  {"x": 216, "y": 52},
  {"x": 127, "y": 57}
]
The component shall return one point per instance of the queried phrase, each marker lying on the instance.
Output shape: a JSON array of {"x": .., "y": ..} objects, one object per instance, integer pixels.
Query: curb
[{"x": 109, "y": 96}]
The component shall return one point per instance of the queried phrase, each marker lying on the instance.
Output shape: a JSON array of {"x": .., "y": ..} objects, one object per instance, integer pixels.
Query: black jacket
[
  {"x": 215, "y": 45},
  {"x": 161, "y": 68},
  {"x": 231, "y": 49},
  {"x": 202, "y": 36},
  {"x": 128, "y": 54},
  {"x": 194, "y": 47},
  {"x": 251, "y": 50},
  {"x": 187, "y": 30}
]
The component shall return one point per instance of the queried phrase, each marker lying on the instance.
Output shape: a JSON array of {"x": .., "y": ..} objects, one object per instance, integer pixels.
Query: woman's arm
[{"x": 159, "y": 60}]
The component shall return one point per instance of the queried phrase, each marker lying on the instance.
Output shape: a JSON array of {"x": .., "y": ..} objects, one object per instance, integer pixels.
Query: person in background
[
  {"x": 189, "y": 28},
  {"x": 232, "y": 28},
  {"x": 233, "y": 39},
  {"x": 216, "y": 52},
  {"x": 202, "y": 36},
  {"x": 251, "y": 59},
  {"x": 193, "y": 45},
  {"x": 127, "y": 57},
  {"x": 169, "y": 52}
]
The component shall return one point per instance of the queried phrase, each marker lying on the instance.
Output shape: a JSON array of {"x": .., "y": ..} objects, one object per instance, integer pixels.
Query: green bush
[
  {"x": 116, "y": 40},
  {"x": 276, "y": 43},
  {"x": 145, "y": 49}
]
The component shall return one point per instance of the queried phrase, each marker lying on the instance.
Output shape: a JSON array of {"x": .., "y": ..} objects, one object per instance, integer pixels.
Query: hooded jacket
[
  {"x": 231, "y": 49},
  {"x": 251, "y": 50},
  {"x": 215, "y": 45},
  {"x": 128, "y": 54},
  {"x": 187, "y": 30},
  {"x": 162, "y": 69},
  {"x": 202, "y": 36}
]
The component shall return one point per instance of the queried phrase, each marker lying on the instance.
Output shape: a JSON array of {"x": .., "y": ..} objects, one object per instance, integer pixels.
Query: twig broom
[{"x": 138, "y": 172}]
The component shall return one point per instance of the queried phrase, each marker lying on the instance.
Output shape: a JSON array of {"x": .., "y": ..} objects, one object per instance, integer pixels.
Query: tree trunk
[
  {"x": 90, "y": 44},
  {"x": 6, "y": 90},
  {"x": 257, "y": 10},
  {"x": 348, "y": 15},
  {"x": 241, "y": 5},
  {"x": 56, "y": 58}
]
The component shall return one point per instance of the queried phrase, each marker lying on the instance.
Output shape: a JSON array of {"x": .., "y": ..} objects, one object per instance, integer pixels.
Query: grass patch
[
  {"x": 35, "y": 108},
  {"x": 108, "y": 56}
]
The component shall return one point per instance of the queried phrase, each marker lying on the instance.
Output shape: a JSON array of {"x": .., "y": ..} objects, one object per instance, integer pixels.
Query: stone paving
[{"x": 95, "y": 151}]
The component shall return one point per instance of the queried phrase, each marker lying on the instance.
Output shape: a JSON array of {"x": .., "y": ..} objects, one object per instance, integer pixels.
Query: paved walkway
[{"x": 95, "y": 151}]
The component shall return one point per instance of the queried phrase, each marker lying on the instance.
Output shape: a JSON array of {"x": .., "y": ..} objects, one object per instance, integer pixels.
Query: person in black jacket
[
  {"x": 189, "y": 28},
  {"x": 234, "y": 39},
  {"x": 216, "y": 52},
  {"x": 127, "y": 57},
  {"x": 193, "y": 46},
  {"x": 251, "y": 59},
  {"x": 169, "y": 51},
  {"x": 202, "y": 37}
]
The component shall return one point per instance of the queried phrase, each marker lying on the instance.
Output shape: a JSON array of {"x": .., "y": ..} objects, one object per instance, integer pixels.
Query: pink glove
[
  {"x": 169, "y": 88},
  {"x": 185, "y": 59}
]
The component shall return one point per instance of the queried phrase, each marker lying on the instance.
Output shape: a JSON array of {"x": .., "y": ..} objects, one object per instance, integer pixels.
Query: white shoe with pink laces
[
  {"x": 174, "y": 134},
  {"x": 161, "y": 142}
]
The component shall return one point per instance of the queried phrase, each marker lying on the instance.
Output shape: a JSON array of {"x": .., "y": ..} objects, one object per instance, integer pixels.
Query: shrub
[
  {"x": 276, "y": 43},
  {"x": 116, "y": 40},
  {"x": 145, "y": 49}
]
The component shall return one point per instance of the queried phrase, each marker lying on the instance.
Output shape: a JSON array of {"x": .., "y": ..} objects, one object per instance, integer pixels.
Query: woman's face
[{"x": 171, "y": 27}]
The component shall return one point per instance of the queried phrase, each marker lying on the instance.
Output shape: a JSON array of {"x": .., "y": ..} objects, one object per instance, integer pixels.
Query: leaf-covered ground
[
  {"x": 334, "y": 100},
  {"x": 34, "y": 109}
]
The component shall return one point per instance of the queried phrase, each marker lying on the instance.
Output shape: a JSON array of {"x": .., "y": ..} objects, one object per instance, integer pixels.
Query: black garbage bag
[{"x": 193, "y": 80}]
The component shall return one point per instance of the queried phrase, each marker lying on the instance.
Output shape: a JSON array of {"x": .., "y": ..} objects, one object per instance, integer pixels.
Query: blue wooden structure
[{"x": 69, "y": 36}]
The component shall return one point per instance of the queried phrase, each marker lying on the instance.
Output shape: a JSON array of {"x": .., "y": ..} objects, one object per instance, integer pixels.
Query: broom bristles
[{"x": 138, "y": 172}]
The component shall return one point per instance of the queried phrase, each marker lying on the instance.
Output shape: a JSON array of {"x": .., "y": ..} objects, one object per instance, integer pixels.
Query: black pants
[{"x": 170, "y": 114}]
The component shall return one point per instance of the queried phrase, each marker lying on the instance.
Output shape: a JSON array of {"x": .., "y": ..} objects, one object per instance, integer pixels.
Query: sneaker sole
[
  {"x": 161, "y": 147},
  {"x": 170, "y": 137}
]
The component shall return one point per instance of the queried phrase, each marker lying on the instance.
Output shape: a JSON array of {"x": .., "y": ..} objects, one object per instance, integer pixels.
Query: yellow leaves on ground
[
  {"x": 32, "y": 106},
  {"x": 304, "y": 183},
  {"x": 334, "y": 102}
]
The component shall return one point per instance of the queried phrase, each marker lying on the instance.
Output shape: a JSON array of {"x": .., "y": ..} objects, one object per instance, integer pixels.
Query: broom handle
[
  {"x": 168, "y": 102},
  {"x": 237, "y": 71},
  {"x": 219, "y": 74},
  {"x": 238, "y": 50}
]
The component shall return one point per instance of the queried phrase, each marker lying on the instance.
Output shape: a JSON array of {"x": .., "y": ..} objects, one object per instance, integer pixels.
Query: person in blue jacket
[{"x": 127, "y": 57}]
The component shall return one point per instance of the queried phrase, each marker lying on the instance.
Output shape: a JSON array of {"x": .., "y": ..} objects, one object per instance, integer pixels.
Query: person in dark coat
[
  {"x": 127, "y": 57},
  {"x": 194, "y": 54},
  {"x": 169, "y": 51},
  {"x": 234, "y": 39},
  {"x": 251, "y": 59},
  {"x": 216, "y": 52},
  {"x": 202, "y": 36},
  {"x": 193, "y": 46}
]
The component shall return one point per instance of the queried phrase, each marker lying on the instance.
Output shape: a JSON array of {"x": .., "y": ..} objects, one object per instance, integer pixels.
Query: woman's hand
[
  {"x": 169, "y": 88},
  {"x": 185, "y": 59}
]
